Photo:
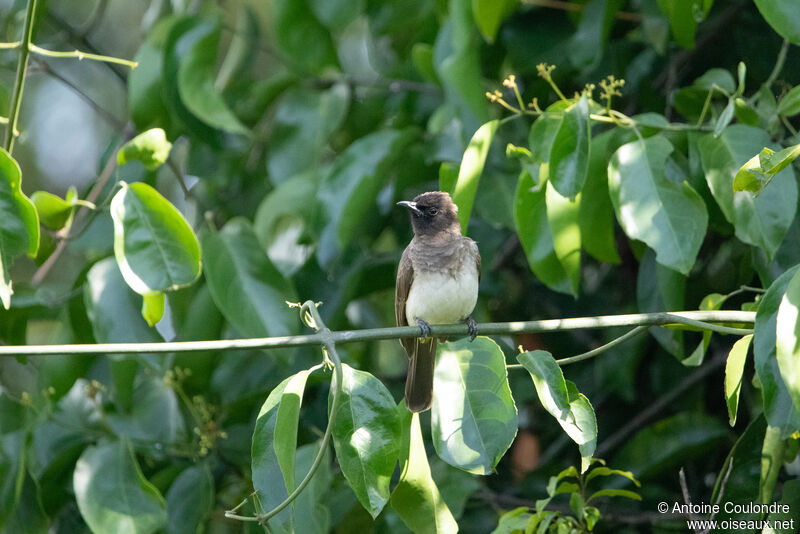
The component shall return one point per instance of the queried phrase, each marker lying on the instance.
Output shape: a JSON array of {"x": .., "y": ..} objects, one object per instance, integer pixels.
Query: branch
[
  {"x": 696, "y": 319},
  {"x": 19, "y": 82}
]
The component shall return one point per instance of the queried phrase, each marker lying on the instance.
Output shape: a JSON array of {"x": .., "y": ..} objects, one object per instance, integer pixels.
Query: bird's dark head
[{"x": 432, "y": 213}]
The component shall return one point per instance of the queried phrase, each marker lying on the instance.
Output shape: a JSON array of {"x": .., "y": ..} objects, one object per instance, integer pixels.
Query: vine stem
[
  {"x": 311, "y": 316},
  {"x": 19, "y": 82},
  {"x": 81, "y": 55},
  {"x": 702, "y": 320}
]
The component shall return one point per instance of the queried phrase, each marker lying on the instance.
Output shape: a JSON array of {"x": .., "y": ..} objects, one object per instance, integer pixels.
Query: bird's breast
[{"x": 442, "y": 297}]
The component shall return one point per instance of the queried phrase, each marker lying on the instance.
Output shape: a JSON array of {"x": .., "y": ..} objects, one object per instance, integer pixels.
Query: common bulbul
[{"x": 437, "y": 283}]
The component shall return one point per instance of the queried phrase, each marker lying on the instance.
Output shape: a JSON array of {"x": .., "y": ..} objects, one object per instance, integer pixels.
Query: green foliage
[{"x": 258, "y": 162}]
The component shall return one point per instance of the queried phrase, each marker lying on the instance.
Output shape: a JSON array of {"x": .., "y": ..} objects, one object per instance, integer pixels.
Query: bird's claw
[
  {"x": 424, "y": 328},
  {"x": 472, "y": 328}
]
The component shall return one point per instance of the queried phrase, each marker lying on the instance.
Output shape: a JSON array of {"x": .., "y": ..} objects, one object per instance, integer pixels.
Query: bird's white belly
[{"x": 440, "y": 298}]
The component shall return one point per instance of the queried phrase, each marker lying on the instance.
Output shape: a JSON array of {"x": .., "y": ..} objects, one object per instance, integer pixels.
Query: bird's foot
[
  {"x": 472, "y": 328},
  {"x": 424, "y": 329}
]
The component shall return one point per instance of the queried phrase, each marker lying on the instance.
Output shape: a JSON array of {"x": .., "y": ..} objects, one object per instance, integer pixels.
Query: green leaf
[
  {"x": 514, "y": 521},
  {"x": 273, "y": 447},
  {"x": 247, "y": 288},
  {"x": 569, "y": 156},
  {"x": 596, "y": 217},
  {"x": 789, "y": 104},
  {"x": 563, "y": 219},
  {"x": 19, "y": 223},
  {"x": 533, "y": 227},
  {"x": 734, "y": 369},
  {"x": 760, "y": 221},
  {"x": 422, "y": 58},
  {"x": 190, "y": 499},
  {"x": 710, "y": 302},
  {"x": 788, "y": 338},
  {"x": 145, "y": 82},
  {"x": 347, "y": 193},
  {"x": 12, "y": 469},
  {"x": 196, "y": 82},
  {"x": 282, "y": 222},
  {"x": 416, "y": 498},
  {"x": 720, "y": 78},
  {"x": 561, "y": 399},
  {"x": 671, "y": 218},
  {"x": 456, "y": 57},
  {"x": 783, "y": 519},
  {"x": 473, "y": 418},
  {"x": 301, "y": 37},
  {"x": 589, "y": 41},
  {"x": 660, "y": 289},
  {"x": 724, "y": 118},
  {"x": 154, "y": 416},
  {"x": 684, "y": 17},
  {"x": 543, "y": 132},
  {"x": 603, "y": 471},
  {"x": 615, "y": 493},
  {"x": 469, "y": 173},
  {"x": 777, "y": 400},
  {"x": 54, "y": 212},
  {"x": 782, "y": 15},
  {"x": 759, "y": 170},
  {"x": 112, "y": 493},
  {"x": 304, "y": 121},
  {"x": 670, "y": 442},
  {"x": 151, "y": 148},
  {"x": 744, "y": 462},
  {"x": 337, "y": 14},
  {"x": 448, "y": 176},
  {"x": 155, "y": 247},
  {"x": 153, "y": 307},
  {"x": 489, "y": 15},
  {"x": 772, "y": 458},
  {"x": 366, "y": 437}
]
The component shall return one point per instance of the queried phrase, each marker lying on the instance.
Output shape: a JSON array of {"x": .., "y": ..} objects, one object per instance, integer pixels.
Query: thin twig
[
  {"x": 686, "y": 498},
  {"x": 19, "y": 81},
  {"x": 701, "y": 319}
]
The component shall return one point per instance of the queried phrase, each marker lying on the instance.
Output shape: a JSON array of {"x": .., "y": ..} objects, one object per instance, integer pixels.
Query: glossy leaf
[
  {"x": 760, "y": 221},
  {"x": 489, "y": 15},
  {"x": 788, "y": 338},
  {"x": 155, "y": 247},
  {"x": 670, "y": 442},
  {"x": 304, "y": 121},
  {"x": 596, "y": 216},
  {"x": 782, "y": 15},
  {"x": 54, "y": 212},
  {"x": 473, "y": 418},
  {"x": 569, "y": 156},
  {"x": 543, "y": 132},
  {"x": 563, "y": 217},
  {"x": 301, "y": 37},
  {"x": 734, "y": 369},
  {"x": 683, "y": 18},
  {"x": 151, "y": 148},
  {"x": 19, "y": 223},
  {"x": 789, "y": 104},
  {"x": 190, "y": 499},
  {"x": 724, "y": 118},
  {"x": 366, "y": 437},
  {"x": 274, "y": 444},
  {"x": 348, "y": 192},
  {"x": 778, "y": 407},
  {"x": 145, "y": 82},
  {"x": 670, "y": 217},
  {"x": 759, "y": 170},
  {"x": 562, "y": 400},
  {"x": 533, "y": 228},
  {"x": 196, "y": 82},
  {"x": 416, "y": 498},
  {"x": 112, "y": 493},
  {"x": 469, "y": 174},
  {"x": 247, "y": 288}
]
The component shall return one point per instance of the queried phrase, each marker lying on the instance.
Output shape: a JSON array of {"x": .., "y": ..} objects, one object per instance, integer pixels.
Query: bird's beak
[{"x": 410, "y": 205}]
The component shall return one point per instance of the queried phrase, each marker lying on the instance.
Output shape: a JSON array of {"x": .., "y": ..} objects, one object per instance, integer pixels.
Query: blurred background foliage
[{"x": 296, "y": 126}]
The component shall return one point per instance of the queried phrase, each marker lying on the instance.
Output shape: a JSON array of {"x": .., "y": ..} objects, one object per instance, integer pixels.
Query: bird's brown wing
[{"x": 405, "y": 275}]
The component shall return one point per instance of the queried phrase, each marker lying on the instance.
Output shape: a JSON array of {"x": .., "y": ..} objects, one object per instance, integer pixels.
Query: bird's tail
[{"x": 419, "y": 383}]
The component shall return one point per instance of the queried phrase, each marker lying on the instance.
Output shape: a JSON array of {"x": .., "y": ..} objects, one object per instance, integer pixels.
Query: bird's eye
[{"x": 432, "y": 211}]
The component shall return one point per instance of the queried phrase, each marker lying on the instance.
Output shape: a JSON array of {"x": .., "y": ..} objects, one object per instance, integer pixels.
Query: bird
[{"x": 437, "y": 283}]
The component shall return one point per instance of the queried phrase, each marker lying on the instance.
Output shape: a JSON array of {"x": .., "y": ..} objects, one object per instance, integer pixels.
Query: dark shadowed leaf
[
  {"x": 311, "y": 508},
  {"x": 596, "y": 217},
  {"x": 301, "y": 37},
  {"x": 190, "y": 499},
  {"x": 660, "y": 289},
  {"x": 112, "y": 493},
  {"x": 366, "y": 436},
  {"x": 569, "y": 156},
  {"x": 473, "y": 418}
]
